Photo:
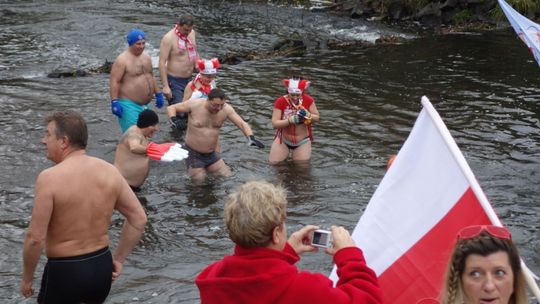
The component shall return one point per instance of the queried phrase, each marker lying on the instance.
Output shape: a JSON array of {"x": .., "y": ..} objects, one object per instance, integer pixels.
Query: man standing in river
[
  {"x": 131, "y": 158},
  {"x": 132, "y": 82},
  {"x": 177, "y": 58},
  {"x": 206, "y": 116},
  {"x": 73, "y": 204}
]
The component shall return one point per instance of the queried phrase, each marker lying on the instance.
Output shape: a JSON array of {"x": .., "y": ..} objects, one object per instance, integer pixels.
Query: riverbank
[{"x": 444, "y": 16}]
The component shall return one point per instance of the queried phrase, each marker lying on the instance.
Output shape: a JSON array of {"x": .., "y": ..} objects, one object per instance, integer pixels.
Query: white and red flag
[
  {"x": 166, "y": 152},
  {"x": 528, "y": 31},
  {"x": 410, "y": 225}
]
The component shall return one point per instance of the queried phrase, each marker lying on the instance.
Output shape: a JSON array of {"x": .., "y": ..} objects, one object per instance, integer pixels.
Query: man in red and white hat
[{"x": 292, "y": 117}]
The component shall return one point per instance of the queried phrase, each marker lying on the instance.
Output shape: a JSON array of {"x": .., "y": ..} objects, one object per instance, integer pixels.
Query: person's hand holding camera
[
  {"x": 300, "y": 240},
  {"x": 340, "y": 239}
]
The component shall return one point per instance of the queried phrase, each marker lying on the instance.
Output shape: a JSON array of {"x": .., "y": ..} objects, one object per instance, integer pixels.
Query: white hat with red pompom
[
  {"x": 295, "y": 85},
  {"x": 208, "y": 67}
]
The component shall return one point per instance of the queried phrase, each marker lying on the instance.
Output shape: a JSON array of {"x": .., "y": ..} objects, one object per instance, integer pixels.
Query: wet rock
[
  {"x": 386, "y": 40},
  {"x": 292, "y": 46},
  {"x": 64, "y": 72},
  {"x": 67, "y": 72}
]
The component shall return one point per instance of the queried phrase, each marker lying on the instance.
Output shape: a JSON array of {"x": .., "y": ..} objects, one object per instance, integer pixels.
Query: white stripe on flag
[
  {"x": 411, "y": 211},
  {"x": 420, "y": 187},
  {"x": 527, "y": 30}
]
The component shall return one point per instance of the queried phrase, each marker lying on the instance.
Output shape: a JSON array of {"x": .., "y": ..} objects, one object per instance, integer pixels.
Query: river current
[{"x": 485, "y": 86}]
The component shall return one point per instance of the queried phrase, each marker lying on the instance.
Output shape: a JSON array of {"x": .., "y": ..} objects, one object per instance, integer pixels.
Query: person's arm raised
[
  {"x": 137, "y": 143},
  {"x": 314, "y": 113},
  {"x": 277, "y": 122},
  {"x": 300, "y": 240}
]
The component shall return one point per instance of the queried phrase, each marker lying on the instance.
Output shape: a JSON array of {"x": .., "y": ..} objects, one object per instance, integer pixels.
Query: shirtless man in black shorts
[
  {"x": 206, "y": 116},
  {"x": 73, "y": 204}
]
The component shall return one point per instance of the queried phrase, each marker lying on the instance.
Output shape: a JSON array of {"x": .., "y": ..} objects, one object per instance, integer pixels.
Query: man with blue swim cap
[
  {"x": 132, "y": 84},
  {"x": 134, "y": 36}
]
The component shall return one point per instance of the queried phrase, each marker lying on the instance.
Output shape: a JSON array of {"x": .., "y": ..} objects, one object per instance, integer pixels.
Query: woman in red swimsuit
[{"x": 292, "y": 118}]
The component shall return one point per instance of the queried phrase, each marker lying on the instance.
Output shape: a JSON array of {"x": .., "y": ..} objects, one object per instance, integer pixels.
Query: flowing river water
[{"x": 485, "y": 86}]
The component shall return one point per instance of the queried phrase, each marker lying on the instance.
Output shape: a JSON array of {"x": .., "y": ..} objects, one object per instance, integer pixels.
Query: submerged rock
[{"x": 64, "y": 72}]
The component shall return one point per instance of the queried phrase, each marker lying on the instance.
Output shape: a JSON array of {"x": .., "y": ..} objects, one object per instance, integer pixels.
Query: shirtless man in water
[
  {"x": 206, "y": 116},
  {"x": 177, "y": 58},
  {"x": 73, "y": 204},
  {"x": 131, "y": 158},
  {"x": 132, "y": 83}
]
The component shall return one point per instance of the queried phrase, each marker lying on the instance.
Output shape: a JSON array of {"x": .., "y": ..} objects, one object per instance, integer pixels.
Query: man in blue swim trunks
[
  {"x": 73, "y": 204},
  {"x": 132, "y": 84},
  {"x": 177, "y": 59}
]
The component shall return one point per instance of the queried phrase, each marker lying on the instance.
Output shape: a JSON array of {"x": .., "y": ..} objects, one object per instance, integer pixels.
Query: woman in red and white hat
[
  {"x": 292, "y": 117},
  {"x": 204, "y": 81}
]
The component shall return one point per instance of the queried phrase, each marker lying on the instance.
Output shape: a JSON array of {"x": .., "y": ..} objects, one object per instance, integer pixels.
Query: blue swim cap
[{"x": 134, "y": 36}]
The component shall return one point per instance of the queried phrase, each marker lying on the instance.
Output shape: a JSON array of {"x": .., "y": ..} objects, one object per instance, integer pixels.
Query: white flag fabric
[
  {"x": 410, "y": 225},
  {"x": 527, "y": 30},
  {"x": 166, "y": 152}
]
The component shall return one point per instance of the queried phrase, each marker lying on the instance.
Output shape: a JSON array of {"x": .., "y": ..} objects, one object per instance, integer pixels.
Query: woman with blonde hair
[
  {"x": 484, "y": 267},
  {"x": 262, "y": 269}
]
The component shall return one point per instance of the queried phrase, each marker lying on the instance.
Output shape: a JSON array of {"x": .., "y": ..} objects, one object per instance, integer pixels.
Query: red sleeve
[
  {"x": 307, "y": 101},
  {"x": 357, "y": 282},
  {"x": 280, "y": 103}
]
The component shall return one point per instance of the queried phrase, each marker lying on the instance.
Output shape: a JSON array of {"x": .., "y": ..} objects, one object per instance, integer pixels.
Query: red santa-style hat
[
  {"x": 295, "y": 85},
  {"x": 208, "y": 66}
]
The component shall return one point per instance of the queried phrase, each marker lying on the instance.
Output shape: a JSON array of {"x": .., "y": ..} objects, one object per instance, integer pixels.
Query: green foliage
[
  {"x": 463, "y": 16},
  {"x": 416, "y": 5},
  {"x": 528, "y": 8}
]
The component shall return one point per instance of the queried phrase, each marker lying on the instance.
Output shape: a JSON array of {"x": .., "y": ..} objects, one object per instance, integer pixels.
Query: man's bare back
[
  {"x": 133, "y": 163},
  {"x": 136, "y": 79},
  {"x": 73, "y": 204},
  {"x": 79, "y": 221}
]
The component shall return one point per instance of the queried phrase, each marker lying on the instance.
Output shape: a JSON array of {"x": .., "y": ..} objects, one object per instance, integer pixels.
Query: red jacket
[{"x": 262, "y": 275}]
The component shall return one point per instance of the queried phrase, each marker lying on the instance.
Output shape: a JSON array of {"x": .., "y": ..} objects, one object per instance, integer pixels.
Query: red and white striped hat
[
  {"x": 295, "y": 85},
  {"x": 208, "y": 66}
]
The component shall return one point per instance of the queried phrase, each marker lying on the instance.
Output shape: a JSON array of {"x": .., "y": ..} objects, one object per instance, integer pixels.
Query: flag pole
[{"x": 475, "y": 186}]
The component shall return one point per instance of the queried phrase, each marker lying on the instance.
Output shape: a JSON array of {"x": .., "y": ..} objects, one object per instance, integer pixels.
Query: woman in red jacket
[{"x": 262, "y": 268}]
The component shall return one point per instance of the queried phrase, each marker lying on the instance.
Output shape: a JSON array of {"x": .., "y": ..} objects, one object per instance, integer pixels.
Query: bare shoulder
[
  {"x": 227, "y": 108},
  {"x": 146, "y": 57},
  {"x": 46, "y": 175},
  {"x": 122, "y": 58},
  {"x": 168, "y": 37}
]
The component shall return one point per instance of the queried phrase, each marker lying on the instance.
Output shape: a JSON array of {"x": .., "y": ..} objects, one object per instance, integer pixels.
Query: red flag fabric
[
  {"x": 410, "y": 225},
  {"x": 166, "y": 152}
]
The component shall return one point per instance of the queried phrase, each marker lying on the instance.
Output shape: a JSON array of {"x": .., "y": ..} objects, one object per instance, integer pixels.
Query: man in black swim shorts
[
  {"x": 206, "y": 116},
  {"x": 73, "y": 204}
]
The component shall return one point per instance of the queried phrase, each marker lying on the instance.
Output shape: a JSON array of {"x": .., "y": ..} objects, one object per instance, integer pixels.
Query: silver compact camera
[{"x": 321, "y": 238}]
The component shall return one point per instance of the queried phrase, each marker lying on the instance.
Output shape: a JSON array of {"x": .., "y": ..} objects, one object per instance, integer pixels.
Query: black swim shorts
[{"x": 85, "y": 278}]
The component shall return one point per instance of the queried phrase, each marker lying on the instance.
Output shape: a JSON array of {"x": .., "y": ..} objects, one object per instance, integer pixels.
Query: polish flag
[
  {"x": 528, "y": 31},
  {"x": 409, "y": 227},
  {"x": 166, "y": 152}
]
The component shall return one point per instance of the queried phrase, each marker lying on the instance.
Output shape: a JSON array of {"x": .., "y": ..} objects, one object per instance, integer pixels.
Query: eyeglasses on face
[{"x": 474, "y": 231}]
